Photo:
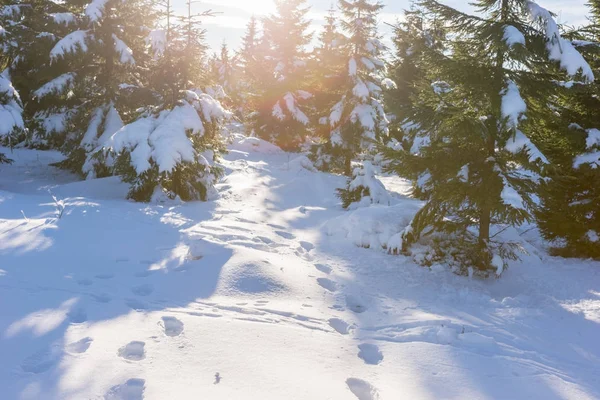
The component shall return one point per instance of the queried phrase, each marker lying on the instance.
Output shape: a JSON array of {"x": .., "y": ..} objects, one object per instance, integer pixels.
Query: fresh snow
[
  {"x": 267, "y": 293},
  {"x": 64, "y": 18},
  {"x": 57, "y": 85},
  {"x": 124, "y": 52},
  {"x": 95, "y": 9},
  {"x": 512, "y": 36},
  {"x": 519, "y": 142},
  {"x": 71, "y": 43},
  {"x": 11, "y": 118},
  {"x": 559, "y": 49},
  {"x": 513, "y": 105}
]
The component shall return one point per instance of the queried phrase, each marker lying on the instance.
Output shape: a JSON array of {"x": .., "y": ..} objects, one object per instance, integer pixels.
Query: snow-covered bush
[
  {"x": 171, "y": 150},
  {"x": 363, "y": 189}
]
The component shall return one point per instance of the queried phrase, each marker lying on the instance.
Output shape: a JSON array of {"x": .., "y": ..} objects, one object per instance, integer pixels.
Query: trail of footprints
[
  {"x": 132, "y": 389},
  {"x": 368, "y": 352},
  {"x": 135, "y": 351}
]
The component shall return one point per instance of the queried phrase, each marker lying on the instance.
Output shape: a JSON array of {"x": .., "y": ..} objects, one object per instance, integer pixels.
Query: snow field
[{"x": 265, "y": 294}]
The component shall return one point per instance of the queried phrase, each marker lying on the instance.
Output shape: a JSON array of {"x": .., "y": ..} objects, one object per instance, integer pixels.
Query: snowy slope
[{"x": 254, "y": 296}]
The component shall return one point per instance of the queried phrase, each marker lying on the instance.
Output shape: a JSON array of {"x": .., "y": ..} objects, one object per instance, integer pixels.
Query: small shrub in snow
[
  {"x": 172, "y": 150},
  {"x": 363, "y": 188}
]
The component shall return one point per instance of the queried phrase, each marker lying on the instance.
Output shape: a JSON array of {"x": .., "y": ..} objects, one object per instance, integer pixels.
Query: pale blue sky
[{"x": 230, "y": 24}]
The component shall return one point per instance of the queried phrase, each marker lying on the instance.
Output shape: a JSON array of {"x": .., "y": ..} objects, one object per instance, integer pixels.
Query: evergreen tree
[
  {"x": 171, "y": 147},
  {"x": 94, "y": 61},
  {"x": 247, "y": 62},
  {"x": 223, "y": 75},
  {"x": 328, "y": 70},
  {"x": 475, "y": 163},
  {"x": 279, "y": 115},
  {"x": 11, "y": 110},
  {"x": 357, "y": 120},
  {"x": 411, "y": 36},
  {"x": 570, "y": 213}
]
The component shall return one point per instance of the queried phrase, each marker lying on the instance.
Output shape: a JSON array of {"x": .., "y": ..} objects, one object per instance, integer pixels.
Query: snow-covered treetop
[
  {"x": 163, "y": 138},
  {"x": 364, "y": 177}
]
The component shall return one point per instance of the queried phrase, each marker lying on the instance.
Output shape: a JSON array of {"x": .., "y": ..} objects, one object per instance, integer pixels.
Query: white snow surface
[{"x": 248, "y": 297}]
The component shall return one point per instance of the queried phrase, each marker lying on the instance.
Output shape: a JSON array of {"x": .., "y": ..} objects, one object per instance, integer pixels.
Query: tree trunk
[
  {"x": 348, "y": 165},
  {"x": 486, "y": 206}
]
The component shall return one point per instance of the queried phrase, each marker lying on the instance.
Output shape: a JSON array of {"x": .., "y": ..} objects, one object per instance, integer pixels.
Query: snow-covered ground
[{"x": 262, "y": 294}]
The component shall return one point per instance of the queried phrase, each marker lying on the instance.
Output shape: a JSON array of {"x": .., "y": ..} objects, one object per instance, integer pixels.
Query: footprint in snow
[
  {"x": 136, "y": 305},
  {"x": 327, "y": 284},
  {"x": 285, "y": 234},
  {"x": 77, "y": 315},
  {"x": 276, "y": 226},
  {"x": 363, "y": 390},
  {"x": 355, "y": 304},
  {"x": 102, "y": 297},
  {"x": 143, "y": 290},
  {"x": 307, "y": 245},
  {"x": 339, "y": 325},
  {"x": 42, "y": 360},
  {"x": 133, "y": 351},
  {"x": 133, "y": 389},
  {"x": 173, "y": 326},
  {"x": 326, "y": 269},
  {"x": 80, "y": 346},
  {"x": 370, "y": 353}
]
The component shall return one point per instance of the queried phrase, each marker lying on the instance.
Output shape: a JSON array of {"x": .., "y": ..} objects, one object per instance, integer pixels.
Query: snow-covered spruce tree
[
  {"x": 246, "y": 63},
  {"x": 477, "y": 167},
  {"x": 357, "y": 120},
  {"x": 223, "y": 75},
  {"x": 170, "y": 149},
  {"x": 94, "y": 63},
  {"x": 11, "y": 110},
  {"x": 363, "y": 188},
  {"x": 570, "y": 214},
  {"x": 411, "y": 35},
  {"x": 279, "y": 115},
  {"x": 28, "y": 23},
  {"x": 328, "y": 73}
]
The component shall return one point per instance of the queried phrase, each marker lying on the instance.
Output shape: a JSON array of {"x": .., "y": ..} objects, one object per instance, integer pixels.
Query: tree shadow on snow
[{"x": 96, "y": 262}]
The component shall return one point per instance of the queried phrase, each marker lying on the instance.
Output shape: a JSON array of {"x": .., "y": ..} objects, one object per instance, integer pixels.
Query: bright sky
[{"x": 230, "y": 24}]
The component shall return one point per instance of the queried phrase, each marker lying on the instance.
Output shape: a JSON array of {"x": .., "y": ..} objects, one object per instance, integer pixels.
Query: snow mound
[
  {"x": 376, "y": 227},
  {"x": 252, "y": 145},
  {"x": 300, "y": 163}
]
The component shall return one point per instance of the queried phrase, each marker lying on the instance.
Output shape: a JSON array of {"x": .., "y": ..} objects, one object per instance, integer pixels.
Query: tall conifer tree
[
  {"x": 476, "y": 165},
  {"x": 357, "y": 120},
  {"x": 280, "y": 116}
]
